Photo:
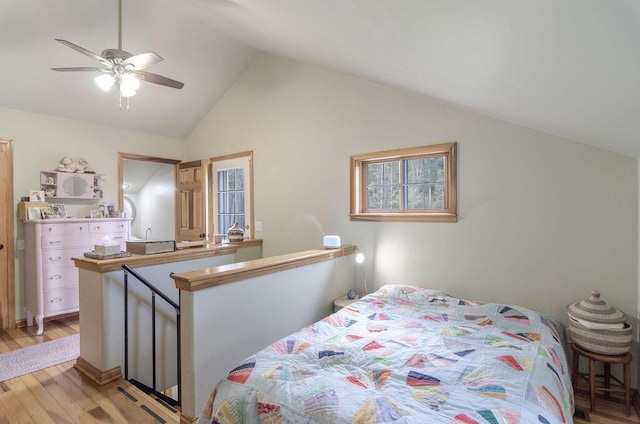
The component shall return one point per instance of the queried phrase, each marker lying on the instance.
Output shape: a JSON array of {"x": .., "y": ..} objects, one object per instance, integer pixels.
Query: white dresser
[{"x": 50, "y": 274}]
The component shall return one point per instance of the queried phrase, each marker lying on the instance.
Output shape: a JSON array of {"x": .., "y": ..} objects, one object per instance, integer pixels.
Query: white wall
[
  {"x": 40, "y": 141},
  {"x": 543, "y": 220}
]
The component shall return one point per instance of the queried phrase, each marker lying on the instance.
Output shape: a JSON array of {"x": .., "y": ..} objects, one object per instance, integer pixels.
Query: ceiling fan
[{"x": 121, "y": 68}]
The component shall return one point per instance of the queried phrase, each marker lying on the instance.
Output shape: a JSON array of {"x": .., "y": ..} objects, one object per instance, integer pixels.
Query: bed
[{"x": 405, "y": 354}]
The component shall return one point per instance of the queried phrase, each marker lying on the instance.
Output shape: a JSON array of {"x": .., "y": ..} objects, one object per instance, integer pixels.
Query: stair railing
[{"x": 154, "y": 292}]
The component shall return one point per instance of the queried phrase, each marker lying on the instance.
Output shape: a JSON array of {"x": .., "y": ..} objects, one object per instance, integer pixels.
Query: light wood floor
[{"x": 61, "y": 395}]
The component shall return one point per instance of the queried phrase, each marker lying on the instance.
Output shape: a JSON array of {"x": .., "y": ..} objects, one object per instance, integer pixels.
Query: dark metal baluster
[
  {"x": 153, "y": 337},
  {"x": 179, "y": 373},
  {"x": 126, "y": 325}
]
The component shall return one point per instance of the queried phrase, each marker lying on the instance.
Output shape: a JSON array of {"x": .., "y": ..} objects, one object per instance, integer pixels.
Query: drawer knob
[
  {"x": 55, "y": 259},
  {"x": 55, "y": 242},
  {"x": 57, "y": 299},
  {"x": 55, "y": 277}
]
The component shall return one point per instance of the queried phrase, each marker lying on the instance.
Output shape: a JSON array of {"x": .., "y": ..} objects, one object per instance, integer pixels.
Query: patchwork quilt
[{"x": 407, "y": 355}]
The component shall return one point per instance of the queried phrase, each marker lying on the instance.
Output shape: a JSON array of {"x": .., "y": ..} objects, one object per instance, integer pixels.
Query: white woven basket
[{"x": 614, "y": 341}]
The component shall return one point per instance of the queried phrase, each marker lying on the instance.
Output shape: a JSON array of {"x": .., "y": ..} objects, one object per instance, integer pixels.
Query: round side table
[{"x": 607, "y": 360}]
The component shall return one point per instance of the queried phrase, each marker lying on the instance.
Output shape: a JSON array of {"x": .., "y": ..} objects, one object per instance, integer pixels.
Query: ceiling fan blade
[
  {"x": 158, "y": 79},
  {"x": 143, "y": 60},
  {"x": 84, "y": 51},
  {"x": 79, "y": 69}
]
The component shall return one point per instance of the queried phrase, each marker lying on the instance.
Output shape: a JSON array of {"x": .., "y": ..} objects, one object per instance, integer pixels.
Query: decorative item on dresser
[{"x": 50, "y": 274}]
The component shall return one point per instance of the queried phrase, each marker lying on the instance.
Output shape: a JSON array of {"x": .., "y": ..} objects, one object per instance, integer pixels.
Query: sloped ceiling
[{"x": 569, "y": 67}]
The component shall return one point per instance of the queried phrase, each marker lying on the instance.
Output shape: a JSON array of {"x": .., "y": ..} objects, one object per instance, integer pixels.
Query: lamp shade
[
  {"x": 104, "y": 81},
  {"x": 128, "y": 85}
]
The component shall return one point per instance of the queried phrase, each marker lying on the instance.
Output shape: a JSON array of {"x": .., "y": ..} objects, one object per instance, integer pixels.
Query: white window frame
[{"x": 220, "y": 163}]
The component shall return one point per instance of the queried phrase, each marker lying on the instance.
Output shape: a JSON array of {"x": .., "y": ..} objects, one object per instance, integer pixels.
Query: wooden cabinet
[
  {"x": 69, "y": 185},
  {"x": 50, "y": 274}
]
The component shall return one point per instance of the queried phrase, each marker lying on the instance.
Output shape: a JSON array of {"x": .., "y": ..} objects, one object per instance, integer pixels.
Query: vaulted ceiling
[{"x": 568, "y": 67}]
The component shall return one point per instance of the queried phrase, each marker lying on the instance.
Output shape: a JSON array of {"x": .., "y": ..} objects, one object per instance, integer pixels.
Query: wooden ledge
[
  {"x": 223, "y": 274},
  {"x": 137, "y": 261},
  {"x": 244, "y": 243}
]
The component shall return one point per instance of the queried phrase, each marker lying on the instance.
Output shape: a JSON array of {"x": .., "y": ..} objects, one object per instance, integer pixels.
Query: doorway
[
  {"x": 147, "y": 192},
  {"x": 7, "y": 252}
]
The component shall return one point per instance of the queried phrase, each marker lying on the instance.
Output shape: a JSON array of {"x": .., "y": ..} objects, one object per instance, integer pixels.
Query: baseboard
[
  {"x": 20, "y": 323},
  {"x": 187, "y": 420},
  {"x": 99, "y": 377}
]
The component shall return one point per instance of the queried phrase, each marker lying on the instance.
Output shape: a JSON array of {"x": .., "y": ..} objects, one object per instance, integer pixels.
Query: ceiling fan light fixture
[
  {"x": 129, "y": 82},
  {"x": 104, "y": 81},
  {"x": 128, "y": 85},
  {"x": 120, "y": 67},
  {"x": 124, "y": 92}
]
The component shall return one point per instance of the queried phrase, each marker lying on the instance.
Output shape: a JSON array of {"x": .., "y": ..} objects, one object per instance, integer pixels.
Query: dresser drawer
[
  {"x": 66, "y": 228},
  {"x": 65, "y": 240},
  {"x": 62, "y": 257},
  {"x": 59, "y": 301},
  {"x": 108, "y": 227},
  {"x": 55, "y": 277}
]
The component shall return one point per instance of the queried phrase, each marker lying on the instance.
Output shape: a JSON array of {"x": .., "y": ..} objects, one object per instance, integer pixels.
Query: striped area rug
[{"x": 34, "y": 358}]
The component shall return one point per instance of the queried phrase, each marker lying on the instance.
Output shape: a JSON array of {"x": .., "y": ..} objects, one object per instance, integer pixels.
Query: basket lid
[{"x": 596, "y": 310}]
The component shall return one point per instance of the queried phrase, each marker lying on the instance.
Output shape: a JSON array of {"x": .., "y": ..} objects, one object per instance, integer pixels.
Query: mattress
[{"x": 408, "y": 355}]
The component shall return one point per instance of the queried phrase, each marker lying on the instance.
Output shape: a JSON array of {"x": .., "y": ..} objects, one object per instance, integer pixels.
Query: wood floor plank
[
  {"x": 76, "y": 407},
  {"x": 114, "y": 405},
  {"x": 11, "y": 410},
  {"x": 29, "y": 402},
  {"x": 46, "y": 400}
]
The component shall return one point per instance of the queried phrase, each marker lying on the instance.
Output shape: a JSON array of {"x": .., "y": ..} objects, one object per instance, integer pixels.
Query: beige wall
[
  {"x": 543, "y": 220},
  {"x": 39, "y": 143}
]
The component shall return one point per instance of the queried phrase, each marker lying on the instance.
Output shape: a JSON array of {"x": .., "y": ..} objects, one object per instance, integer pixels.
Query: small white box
[
  {"x": 332, "y": 242},
  {"x": 109, "y": 249}
]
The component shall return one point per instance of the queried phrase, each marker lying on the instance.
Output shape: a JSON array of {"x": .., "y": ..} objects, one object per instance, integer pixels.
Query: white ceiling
[{"x": 568, "y": 67}]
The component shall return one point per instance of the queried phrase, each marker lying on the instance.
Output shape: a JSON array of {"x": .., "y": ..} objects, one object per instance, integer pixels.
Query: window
[
  {"x": 232, "y": 192},
  {"x": 414, "y": 184}
]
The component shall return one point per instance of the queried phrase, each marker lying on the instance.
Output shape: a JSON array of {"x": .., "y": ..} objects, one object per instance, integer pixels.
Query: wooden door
[
  {"x": 7, "y": 254},
  {"x": 192, "y": 207}
]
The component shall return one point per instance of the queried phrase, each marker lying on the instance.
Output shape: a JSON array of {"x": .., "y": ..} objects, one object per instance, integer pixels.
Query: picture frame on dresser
[
  {"x": 97, "y": 213},
  {"x": 59, "y": 210},
  {"x": 36, "y": 196},
  {"x": 109, "y": 210},
  {"x": 34, "y": 213},
  {"x": 48, "y": 213}
]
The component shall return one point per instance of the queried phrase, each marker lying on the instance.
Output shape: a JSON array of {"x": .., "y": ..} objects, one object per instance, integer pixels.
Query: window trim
[
  {"x": 449, "y": 214},
  {"x": 249, "y": 210}
]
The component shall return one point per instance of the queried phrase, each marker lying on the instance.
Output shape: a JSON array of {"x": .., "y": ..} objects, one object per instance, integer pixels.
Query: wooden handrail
[{"x": 224, "y": 274}]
